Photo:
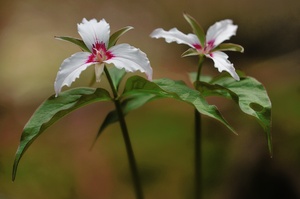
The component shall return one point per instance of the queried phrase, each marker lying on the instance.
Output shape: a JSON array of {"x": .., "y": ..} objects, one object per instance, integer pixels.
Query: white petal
[
  {"x": 130, "y": 58},
  {"x": 174, "y": 35},
  {"x": 93, "y": 32},
  {"x": 98, "y": 71},
  {"x": 221, "y": 31},
  {"x": 222, "y": 64},
  {"x": 70, "y": 69}
]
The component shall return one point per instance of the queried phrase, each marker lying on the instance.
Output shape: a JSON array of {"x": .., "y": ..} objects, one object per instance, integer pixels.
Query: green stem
[
  {"x": 198, "y": 158},
  {"x": 129, "y": 150},
  {"x": 201, "y": 60},
  {"x": 198, "y": 162}
]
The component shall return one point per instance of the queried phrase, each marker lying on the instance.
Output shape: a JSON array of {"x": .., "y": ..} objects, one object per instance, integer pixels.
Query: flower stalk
[
  {"x": 198, "y": 155},
  {"x": 211, "y": 46},
  {"x": 198, "y": 142},
  {"x": 131, "y": 158}
]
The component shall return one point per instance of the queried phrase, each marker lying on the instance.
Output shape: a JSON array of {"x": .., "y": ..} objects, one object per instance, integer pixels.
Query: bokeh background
[{"x": 60, "y": 164}]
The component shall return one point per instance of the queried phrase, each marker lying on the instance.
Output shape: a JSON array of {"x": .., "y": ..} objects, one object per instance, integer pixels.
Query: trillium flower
[
  {"x": 209, "y": 45},
  {"x": 95, "y": 36}
]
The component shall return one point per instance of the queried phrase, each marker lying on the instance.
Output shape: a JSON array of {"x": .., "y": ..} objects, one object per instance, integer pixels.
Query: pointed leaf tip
[
  {"x": 248, "y": 93},
  {"x": 197, "y": 29},
  {"x": 75, "y": 41},
  {"x": 115, "y": 36},
  {"x": 53, "y": 109}
]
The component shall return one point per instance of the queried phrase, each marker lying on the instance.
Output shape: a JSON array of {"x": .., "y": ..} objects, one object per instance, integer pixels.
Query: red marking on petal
[
  {"x": 100, "y": 53},
  {"x": 91, "y": 58},
  {"x": 197, "y": 46},
  {"x": 109, "y": 55},
  {"x": 210, "y": 43},
  {"x": 211, "y": 55},
  {"x": 209, "y": 46}
]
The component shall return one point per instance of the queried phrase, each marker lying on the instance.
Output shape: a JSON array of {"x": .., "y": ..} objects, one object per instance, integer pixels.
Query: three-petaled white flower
[
  {"x": 208, "y": 47},
  {"x": 96, "y": 36}
]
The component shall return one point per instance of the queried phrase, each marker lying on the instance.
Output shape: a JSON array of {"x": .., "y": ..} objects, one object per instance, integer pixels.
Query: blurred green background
[{"x": 60, "y": 165}]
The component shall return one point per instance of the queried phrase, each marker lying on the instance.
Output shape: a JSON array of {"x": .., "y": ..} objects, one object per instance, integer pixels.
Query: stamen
[{"x": 100, "y": 52}]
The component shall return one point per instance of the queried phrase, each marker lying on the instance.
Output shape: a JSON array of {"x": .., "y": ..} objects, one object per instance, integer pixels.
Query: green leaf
[
  {"x": 115, "y": 36},
  {"x": 137, "y": 100},
  {"x": 116, "y": 75},
  {"x": 229, "y": 47},
  {"x": 190, "y": 52},
  {"x": 53, "y": 109},
  {"x": 197, "y": 29},
  {"x": 78, "y": 42},
  {"x": 166, "y": 88},
  {"x": 248, "y": 93},
  {"x": 139, "y": 91}
]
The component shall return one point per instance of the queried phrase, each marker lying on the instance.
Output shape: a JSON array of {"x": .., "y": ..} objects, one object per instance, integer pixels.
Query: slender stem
[
  {"x": 129, "y": 150},
  {"x": 198, "y": 161},
  {"x": 198, "y": 158},
  {"x": 201, "y": 60},
  {"x": 114, "y": 90}
]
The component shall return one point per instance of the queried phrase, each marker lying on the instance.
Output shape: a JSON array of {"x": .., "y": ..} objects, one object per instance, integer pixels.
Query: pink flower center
[
  {"x": 100, "y": 53},
  {"x": 207, "y": 49}
]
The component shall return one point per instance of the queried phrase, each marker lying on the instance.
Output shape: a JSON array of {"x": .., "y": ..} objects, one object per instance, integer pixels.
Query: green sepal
[
  {"x": 197, "y": 29},
  {"x": 115, "y": 36},
  {"x": 53, "y": 109},
  {"x": 229, "y": 47},
  {"x": 76, "y": 41},
  {"x": 248, "y": 93},
  {"x": 112, "y": 39},
  {"x": 190, "y": 52}
]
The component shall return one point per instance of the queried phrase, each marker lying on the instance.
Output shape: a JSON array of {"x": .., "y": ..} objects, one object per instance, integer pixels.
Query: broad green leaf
[
  {"x": 197, "y": 29},
  {"x": 166, "y": 88},
  {"x": 116, "y": 75},
  {"x": 53, "y": 109},
  {"x": 76, "y": 41},
  {"x": 229, "y": 47},
  {"x": 115, "y": 36},
  {"x": 137, "y": 100},
  {"x": 248, "y": 93},
  {"x": 190, "y": 52}
]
